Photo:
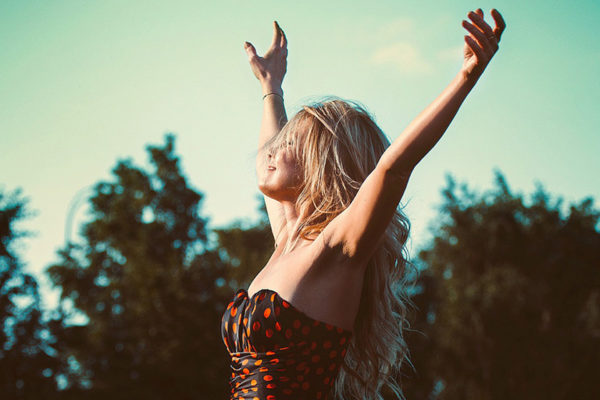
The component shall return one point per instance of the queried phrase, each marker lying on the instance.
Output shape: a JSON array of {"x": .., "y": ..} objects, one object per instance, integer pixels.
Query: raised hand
[
  {"x": 270, "y": 68},
  {"x": 482, "y": 43}
]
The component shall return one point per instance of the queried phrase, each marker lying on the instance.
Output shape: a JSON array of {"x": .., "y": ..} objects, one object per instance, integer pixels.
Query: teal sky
[{"x": 85, "y": 83}]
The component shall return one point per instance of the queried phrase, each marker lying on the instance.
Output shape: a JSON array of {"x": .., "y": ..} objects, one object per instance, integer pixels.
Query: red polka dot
[
  {"x": 256, "y": 326},
  {"x": 327, "y": 344},
  {"x": 268, "y": 378},
  {"x": 332, "y": 366},
  {"x": 300, "y": 378},
  {"x": 246, "y": 371},
  {"x": 319, "y": 371},
  {"x": 269, "y": 332},
  {"x": 326, "y": 380},
  {"x": 277, "y": 310},
  {"x": 305, "y": 330},
  {"x": 343, "y": 340},
  {"x": 263, "y": 369},
  {"x": 297, "y": 324},
  {"x": 329, "y": 327},
  {"x": 285, "y": 304},
  {"x": 343, "y": 352},
  {"x": 275, "y": 361},
  {"x": 313, "y": 345},
  {"x": 332, "y": 354},
  {"x": 288, "y": 333},
  {"x": 277, "y": 326},
  {"x": 295, "y": 385},
  {"x": 339, "y": 330},
  {"x": 305, "y": 385},
  {"x": 271, "y": 386},
  {"x": 315, "y": 358},
  {"x": 261, "y": 296},
  {"x": 234, "y": 311},
  {"x": 273, "y": 298},
  {"x": 270, "y": 353},
  {"x": 267, "y": 312},
  {"x": 270, "y": 396}
]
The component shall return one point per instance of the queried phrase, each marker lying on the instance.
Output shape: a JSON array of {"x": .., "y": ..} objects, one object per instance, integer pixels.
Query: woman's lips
[{"x": 270, "y": 168}]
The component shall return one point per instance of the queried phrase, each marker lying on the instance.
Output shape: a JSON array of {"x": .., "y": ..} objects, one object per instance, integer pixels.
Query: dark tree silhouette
[
  {"x": 246, "y": 247},
  {"x": 28, "y": 365},
  {"x": 146, "y": 282},
  {"x": 510, "y": 300}
]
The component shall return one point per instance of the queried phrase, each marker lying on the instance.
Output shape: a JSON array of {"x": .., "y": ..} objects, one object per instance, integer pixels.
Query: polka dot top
[{"x": 277, "y": 351}]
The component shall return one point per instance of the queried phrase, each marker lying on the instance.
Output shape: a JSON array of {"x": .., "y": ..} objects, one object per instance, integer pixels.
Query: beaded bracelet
[{"x": 277, "y": 94}]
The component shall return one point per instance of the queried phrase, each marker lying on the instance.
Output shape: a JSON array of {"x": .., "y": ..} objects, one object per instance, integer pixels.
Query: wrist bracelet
[{"x": 276, "y": 94}]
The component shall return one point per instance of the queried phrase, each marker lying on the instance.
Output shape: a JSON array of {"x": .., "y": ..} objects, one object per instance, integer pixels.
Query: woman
[{"x": 327, "y": 312}]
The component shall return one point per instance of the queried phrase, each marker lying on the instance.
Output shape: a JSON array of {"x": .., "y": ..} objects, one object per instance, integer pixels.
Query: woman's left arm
[
  {"x": 358, "y": 229},
  {"x": 428, "y": 127}
]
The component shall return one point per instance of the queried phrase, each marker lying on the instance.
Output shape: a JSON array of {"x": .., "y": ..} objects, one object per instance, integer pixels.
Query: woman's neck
[{"x": 293, "y": 219}]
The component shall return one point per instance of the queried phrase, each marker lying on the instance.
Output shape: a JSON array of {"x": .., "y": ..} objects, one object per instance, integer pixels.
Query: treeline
[{"x": 507, "y": 303}]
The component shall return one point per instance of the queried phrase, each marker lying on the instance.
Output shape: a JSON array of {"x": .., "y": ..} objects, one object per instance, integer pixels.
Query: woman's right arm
[{"x": 270, "y": 70}]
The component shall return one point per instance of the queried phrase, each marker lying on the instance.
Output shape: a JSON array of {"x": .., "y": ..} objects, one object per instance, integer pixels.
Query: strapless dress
[{"x": 277, "y": 351}]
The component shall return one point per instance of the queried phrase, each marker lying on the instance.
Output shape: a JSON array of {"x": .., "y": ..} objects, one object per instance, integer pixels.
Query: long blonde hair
[{"x": 341, "y": 145}]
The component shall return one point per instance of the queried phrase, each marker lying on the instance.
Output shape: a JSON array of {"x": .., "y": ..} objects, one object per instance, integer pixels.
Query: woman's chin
[{"x": 279, "y": 194}]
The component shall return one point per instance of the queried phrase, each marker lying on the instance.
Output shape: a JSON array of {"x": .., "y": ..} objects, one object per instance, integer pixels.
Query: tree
[
  {"x": 27, "y": 359},
  {"x": 510, "y": 299},
  {"x": 145, "y": 280},
  {"x": 246, "y": 248}
]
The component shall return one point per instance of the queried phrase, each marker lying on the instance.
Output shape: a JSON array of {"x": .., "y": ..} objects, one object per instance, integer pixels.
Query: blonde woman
[{"x": 324, "y": 317}]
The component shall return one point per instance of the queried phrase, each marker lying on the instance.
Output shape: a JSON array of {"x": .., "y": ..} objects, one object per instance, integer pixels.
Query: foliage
[
  {"x": 146, "y": 283},
  {"x": 507, "y": 301},
  {"x": 510, "y": 300},
  {"x": 27, "y": 362},
  {"x": 246, "y": 248}
]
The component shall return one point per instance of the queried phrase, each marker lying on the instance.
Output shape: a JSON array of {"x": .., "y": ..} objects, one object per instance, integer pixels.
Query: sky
[{"x": 84, "y": 84}]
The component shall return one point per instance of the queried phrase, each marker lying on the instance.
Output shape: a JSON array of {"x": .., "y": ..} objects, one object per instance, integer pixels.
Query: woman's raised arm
[
  {"x": 359, "y": 228},
  {"x": 270, "y": 70},
  {"x": 428, "y": 127}
]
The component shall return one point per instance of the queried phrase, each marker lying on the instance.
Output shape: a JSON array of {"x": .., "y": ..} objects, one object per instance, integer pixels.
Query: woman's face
[{"x": 282, "y": 174}]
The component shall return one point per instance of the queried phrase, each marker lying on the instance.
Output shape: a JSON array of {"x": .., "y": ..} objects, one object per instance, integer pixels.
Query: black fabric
[{"x": 277, "y": 351}]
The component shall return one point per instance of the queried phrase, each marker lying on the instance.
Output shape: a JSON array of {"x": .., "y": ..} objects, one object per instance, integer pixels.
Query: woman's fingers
[
  {"x": 499, "y": 21},
  {"x": 483, "y": 42},
  {"x": 283, "y": 42},
  {"x": 250, "y": 50},
  {"x": 475, "y": 47},
  {"x": 482, "y": 25},
  {"x": 276, "y": 35}
]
